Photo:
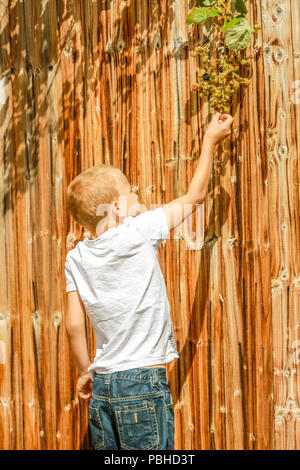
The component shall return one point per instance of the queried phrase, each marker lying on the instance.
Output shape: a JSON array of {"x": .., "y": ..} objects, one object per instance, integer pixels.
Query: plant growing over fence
[{"x": 223, "y": 65}]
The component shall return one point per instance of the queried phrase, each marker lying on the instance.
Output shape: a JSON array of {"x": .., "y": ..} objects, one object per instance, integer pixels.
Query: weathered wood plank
[{"x": 283, "y": 160}]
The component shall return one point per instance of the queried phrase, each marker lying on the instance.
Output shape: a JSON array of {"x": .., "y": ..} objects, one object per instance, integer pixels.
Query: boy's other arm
[
  {"x": 75, "y": 326},
  {"x": 181, "y": 208}
]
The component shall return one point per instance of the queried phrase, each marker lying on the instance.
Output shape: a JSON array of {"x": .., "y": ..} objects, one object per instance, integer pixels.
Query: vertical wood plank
[{"x": 283, "y": 181}]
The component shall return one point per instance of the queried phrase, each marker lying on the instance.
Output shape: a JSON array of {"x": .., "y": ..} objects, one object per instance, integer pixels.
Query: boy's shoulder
[
  {"x": 149, "y": 225},
  {"x": 74, "y": 252}
]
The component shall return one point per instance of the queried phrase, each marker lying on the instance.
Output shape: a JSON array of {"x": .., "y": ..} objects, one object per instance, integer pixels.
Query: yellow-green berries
[{"x": 220, "y": 77}]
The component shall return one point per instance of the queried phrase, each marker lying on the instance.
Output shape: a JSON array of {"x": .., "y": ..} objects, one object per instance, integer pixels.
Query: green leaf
[
  {"x": 231, "y": 23},
  {"x": 239, "y": 36},
  {"x": 240, "y": 6},
  {"x": 199, "y": 15},
  {"x": 205, "y": 3}
]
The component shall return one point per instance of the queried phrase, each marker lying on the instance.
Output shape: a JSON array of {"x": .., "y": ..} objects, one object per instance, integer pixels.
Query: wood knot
[
  {"x": 57, "y": 319},
  {"x": 283, "y": 150},
  {"x": 157, "y": 42},
  {"x": 296, "y": 283},
  {"x": 284, "y": 274},
  {"x": 267, "y": 50},
  {"x": 279, "y": 55},
  {"x": 121, "y": 45},
  {"x": 297, "y": 55},
  {"x": 68, "y": 50},
  {"x": 36, "y": 317}
]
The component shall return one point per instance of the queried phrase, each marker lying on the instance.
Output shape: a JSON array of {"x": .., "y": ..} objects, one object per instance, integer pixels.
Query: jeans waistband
[{"x": 155, "y": 374}]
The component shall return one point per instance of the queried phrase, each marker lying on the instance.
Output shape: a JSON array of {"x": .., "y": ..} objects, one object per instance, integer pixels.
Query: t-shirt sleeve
[
  {"x": 70, "y": 281},
  {"x": 153, "y": 225}
]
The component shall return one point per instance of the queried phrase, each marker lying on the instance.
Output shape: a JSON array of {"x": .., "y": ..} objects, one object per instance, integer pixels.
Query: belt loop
[
  {"x": 107, "y": 378},
  {"x": 155, "y": 377}
]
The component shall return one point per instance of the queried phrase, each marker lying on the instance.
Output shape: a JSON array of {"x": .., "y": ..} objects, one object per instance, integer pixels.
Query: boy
[{"x": 116, "y": 277}]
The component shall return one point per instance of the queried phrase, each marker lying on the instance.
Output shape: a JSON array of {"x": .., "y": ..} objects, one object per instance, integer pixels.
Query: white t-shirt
[{"x": 122, "y": 287}]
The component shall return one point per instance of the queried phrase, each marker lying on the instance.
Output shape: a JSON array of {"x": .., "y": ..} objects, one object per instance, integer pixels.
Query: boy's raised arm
[{"x": 179, "y": 209}]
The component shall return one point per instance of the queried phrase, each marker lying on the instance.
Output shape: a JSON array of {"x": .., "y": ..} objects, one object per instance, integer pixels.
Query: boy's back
[{"x": 121, "y": 285}]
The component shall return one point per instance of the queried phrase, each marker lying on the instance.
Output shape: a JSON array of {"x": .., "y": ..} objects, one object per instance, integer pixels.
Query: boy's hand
[
  {"x": 84, "y": 386},
  {"x": 218, "y": 128}
]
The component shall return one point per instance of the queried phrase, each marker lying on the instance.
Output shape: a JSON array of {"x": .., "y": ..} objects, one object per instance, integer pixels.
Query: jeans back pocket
[{"x": 137, "y": 426}]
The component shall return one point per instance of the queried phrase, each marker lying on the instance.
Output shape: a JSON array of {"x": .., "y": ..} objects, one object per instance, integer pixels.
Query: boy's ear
[
  {"x": 115, "y": 208},
  {"x": 119, "y": 207}
]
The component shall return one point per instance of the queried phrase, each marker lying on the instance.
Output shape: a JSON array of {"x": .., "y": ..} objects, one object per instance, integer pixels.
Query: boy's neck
[{"x": 103, "y": 230}]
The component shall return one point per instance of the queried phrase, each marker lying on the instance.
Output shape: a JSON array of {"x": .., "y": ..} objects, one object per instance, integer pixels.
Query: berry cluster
[
  {"x": 224, "y": 67},
  {"x": 220, "y": 78}
]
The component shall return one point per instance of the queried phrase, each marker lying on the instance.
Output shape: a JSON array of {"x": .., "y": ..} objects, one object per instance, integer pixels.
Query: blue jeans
[{"x": 132, "y": 410}]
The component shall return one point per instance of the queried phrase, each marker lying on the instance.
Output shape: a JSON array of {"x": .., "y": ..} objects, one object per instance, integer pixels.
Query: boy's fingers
[
  {"x": 227, "y": 118},
  {"x": 84, "y": 393},
  {"x": 224, "y": 118},
  {"x": 85, "y": 396},
  {"x": 227, "y": 122}
]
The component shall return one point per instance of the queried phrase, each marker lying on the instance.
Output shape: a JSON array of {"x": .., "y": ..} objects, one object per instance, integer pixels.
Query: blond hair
[{"x": 95, "y": 186}]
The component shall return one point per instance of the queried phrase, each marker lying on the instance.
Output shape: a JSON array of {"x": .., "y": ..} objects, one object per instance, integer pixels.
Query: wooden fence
[{"x": 91, "y": 81}]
